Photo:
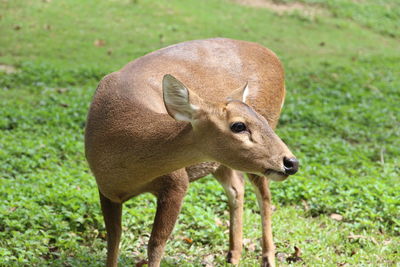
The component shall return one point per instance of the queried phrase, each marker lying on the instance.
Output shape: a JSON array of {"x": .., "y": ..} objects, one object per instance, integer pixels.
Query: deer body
[{"x": 152, "y": 132}]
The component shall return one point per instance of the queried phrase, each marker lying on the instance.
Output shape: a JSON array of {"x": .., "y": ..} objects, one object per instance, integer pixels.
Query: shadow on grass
[{"x": 99, "y": 260}]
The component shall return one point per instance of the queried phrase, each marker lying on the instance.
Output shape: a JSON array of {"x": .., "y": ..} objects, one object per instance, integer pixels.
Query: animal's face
[
  {"x": 239, "y": 137},
  {"x": 235, "y": 135}
]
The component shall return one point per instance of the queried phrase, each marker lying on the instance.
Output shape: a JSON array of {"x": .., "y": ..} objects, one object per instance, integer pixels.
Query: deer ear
[
  {"x": 177, "y": 100},
  {"x": 240, "y": 93}
]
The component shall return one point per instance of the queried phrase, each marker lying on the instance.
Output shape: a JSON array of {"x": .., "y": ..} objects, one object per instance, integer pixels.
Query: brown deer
[{"x": 148, "y": 131}]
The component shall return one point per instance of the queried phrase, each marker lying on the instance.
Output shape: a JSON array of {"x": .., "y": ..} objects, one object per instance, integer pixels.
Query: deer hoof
[
  {"x": 268, "y": 261},
  {"x": 233, "y": 257}
]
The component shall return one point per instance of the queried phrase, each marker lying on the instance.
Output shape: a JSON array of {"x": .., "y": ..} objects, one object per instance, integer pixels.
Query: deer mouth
[{"x": 275, "y": 175}]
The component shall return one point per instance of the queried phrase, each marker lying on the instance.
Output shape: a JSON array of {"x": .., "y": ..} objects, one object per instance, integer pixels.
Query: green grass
[
  {"x": 376, "y": 15},
  {"x": 341, "y": 119}
]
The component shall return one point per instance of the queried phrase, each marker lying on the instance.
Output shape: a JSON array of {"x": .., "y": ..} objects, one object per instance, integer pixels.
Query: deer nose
[{"x": 291, "y": 165}]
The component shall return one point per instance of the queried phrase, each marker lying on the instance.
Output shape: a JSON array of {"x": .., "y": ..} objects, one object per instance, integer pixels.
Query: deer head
[{"x": 232, "y": 132}]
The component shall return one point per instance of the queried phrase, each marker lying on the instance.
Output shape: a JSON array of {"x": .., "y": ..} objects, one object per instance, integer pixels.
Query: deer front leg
[
  {"x": 263, "y": 193},
  {"x": 112, "y": 217},
  {"x": 170, "y": 192},
  {"x": 233, "y": 183}
]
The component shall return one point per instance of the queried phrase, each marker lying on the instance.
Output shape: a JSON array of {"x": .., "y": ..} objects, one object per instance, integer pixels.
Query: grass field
[{"x": 341, "y": 119}]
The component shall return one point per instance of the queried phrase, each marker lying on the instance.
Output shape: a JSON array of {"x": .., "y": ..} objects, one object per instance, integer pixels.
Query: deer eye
[{"x": 238, "y": 127}]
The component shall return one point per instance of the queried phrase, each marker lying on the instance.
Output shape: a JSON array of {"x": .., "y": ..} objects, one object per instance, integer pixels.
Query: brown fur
[{"x": 134, "y": 146}]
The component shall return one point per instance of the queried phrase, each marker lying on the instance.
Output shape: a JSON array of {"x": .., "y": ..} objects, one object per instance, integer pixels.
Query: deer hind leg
[
  {"x": 233, "y": 183},
  {"x": 170, "y": 190},
  {"x": 263, "y": 194},
  {"x": 112, "y": 217}
]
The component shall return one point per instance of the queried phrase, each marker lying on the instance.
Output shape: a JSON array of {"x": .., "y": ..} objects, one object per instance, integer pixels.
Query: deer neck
[
  {"x": 175, "y": 148},
  {"x": 181, "y": 147}
]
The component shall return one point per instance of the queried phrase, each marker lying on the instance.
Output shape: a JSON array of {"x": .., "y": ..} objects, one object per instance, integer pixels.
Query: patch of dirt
[
  {"x": 7, "y": 69},
  {"x": 281, "y": 8}
]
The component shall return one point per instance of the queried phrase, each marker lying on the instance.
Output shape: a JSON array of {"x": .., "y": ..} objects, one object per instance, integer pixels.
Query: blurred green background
[{"x": 341, "y": 119}]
